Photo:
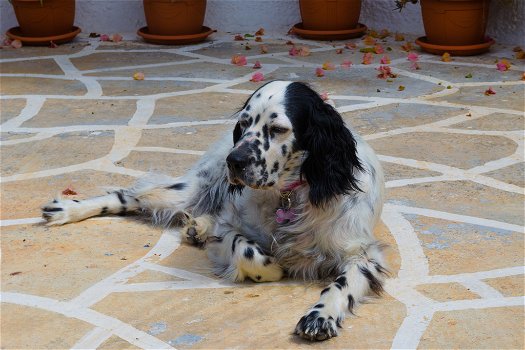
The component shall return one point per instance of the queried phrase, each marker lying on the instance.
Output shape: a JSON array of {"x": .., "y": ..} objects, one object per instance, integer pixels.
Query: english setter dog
[{"x": 295, "y": 193}]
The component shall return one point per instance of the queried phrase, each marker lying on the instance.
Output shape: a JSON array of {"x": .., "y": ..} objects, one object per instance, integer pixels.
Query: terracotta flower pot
[
  {"x": 455, "y": 22},
  {"x": 174, "y": 17},
  {"x": 330, "y": 14},
  {"x": 46, "y": 18}
]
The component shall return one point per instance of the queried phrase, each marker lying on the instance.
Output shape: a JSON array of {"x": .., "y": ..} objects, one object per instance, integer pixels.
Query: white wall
[{"x": 506, "y": 22}]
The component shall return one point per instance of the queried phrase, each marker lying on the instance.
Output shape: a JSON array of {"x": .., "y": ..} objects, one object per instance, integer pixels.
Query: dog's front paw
[
  {"x": 59, "y": 211},
  {"x": 316, "y": 326}
]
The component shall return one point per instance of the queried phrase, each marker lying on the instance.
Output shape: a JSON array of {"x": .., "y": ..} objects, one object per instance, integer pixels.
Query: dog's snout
[{"x": 237, "y": 161}]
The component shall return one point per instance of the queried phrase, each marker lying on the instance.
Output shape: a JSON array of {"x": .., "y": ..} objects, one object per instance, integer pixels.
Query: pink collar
[{"x": 293, "y": 186}]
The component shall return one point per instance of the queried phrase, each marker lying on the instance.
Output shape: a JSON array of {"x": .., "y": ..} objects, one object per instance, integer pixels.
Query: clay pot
[
  {"x": 174, "y": 17},
  {"x": 46, "y": 18},
  {"x": 455, "y": 22},
  {"x": 324, "y": 15}
]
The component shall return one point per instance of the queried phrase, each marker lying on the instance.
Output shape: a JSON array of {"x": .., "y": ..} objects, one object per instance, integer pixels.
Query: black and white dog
[{"x": 296, "y": 193}]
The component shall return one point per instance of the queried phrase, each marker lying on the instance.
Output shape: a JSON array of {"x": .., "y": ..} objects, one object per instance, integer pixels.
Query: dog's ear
[
  {"x": 237, "y": 133},
  {"x": 332, "y": 164}
]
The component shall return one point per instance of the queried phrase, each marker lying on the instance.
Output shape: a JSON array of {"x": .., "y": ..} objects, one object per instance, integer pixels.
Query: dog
[{"x": 295, "y": 193}]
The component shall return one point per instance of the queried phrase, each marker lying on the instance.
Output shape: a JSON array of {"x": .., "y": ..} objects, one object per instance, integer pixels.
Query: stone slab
[
  {"x": 146, "y": 87},
  {"x": 10, "y": 108},
  {"x": 510, "y": 286},
  {"x": 40, "y": 86},
  {"x": 446, "y": 291},
  {"x": 198, "y": 137},
  {"x": 104, "y": 60},
  {"x": 44, "y": 66},
  {"x": 166, "y": 163},
  {"x": 494, "y": 121},
  {"x": 513, "y": 174},
  {"x": 509, "y": 97}
]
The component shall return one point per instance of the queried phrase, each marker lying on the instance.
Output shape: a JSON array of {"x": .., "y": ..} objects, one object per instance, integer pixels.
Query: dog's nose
[{"x": 237, "y": 162}]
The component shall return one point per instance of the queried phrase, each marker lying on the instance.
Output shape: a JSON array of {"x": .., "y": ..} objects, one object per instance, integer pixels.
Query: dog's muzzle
[{"x": 237, "y": 162}]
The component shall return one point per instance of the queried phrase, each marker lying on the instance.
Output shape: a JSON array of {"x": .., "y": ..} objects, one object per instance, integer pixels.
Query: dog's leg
[
  {"x": 362, "y": 274},
  {"x": 238, "y": 258},
  {"x": 161, "y": 195}
]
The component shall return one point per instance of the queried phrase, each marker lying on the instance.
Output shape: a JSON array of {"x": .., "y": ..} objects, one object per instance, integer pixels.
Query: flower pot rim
[
  {"x": 174, "y": 39},
  {"x": 15, "y": 34},
  {"x": 329, "y": 34},
  {"x": 455, "y": 50}
]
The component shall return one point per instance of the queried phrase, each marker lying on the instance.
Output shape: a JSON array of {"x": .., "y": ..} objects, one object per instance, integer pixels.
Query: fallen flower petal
[
  {"x": 400, "y": 88},
  {"x": 520, "y": 55},
  {"x": 328, "y": 66},
  {"x": 346, "y": 64},
  {"x": 257, "y": 65},
  {"x": 367, "y": 58},
  {"x": 260, "y": 31},
  {"x": 414, "y": 65},
  {"x": 413, "y": 57},
  {"x": 324, "y": 96},
  {"x": 503, "y": 65},
  {"x": 16, "y": 44},
  {"x": 138, "y": 76},
  {"x": 368, "y": 40},
  {"x": 407, "y": 46},
  {"x": 258, "y": 39},
  {"x": 489, "y": 92},
  {"x": 378, "y": 49},
  {"x": 238, "y": 37},
  {"x": 339, "y": 51},
  {"x": 263, "y": 48},
  {"x": 247, "y": 47},
  {"x": 523, "y": 76},
  {"x": 517, "y": 49},
  {"x": 468, "y": 76},
  {"x": 104, "y": 37},
  {"x": 399, "y": 37},
  {"x": 446, "y": 57},
  {"x": 304, "y": 51},
  {"x": 293, "y": 51},
  {"x": 385, "y": 72},
  {"x": 350, "y": 45},
  {"x": 289, "y": 42},
  {"x": 7, "y": 42},
  {"x": 257, "y": 77},
  {"x": 319, "y": 72},
  {"x": 367, "y": 49},
  {"x": 116, "y": 38},
  {"x": 69, "y": 192},
  {"x": 94, "y": 35},
  {"x": 239, "y": 60},
  {"x": 385, "y": 60}
]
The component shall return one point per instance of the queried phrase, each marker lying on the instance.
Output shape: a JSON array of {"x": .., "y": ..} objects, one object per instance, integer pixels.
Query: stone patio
[{"x": 74, "y": 117}]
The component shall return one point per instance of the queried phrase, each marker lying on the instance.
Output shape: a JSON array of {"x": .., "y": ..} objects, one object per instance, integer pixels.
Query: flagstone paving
[{"x": 74, "y": 117}]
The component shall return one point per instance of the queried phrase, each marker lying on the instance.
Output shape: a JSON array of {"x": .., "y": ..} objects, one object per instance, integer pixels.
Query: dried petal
[
  {"x": 367, "y": 58},
  {"x": 520, "y": 55},
  {"x": 238, "y": 37},
  {"x": 319, "y": 72},
  {"x": 289, "y": 42},
  {"x": 258, "y": 39},
  {"x": 260, "y": 31},
  {"x": 7, "y": 42},
  {"x": 116, "y": 38},
  {"x": 138, "y": 76},
  {"x": 247, "y": 47},
  {"x": 293, "y": 51},
  {"x": 257, "y": 65},
  {"x": 490, "y": 91},
  {"x": 263, "y": 48},
  {"x": 368, "y": 40},
  {"x": 16, "y": 44},
  {"x": 401, "y": 88},
  {"x": 413, "y": 57},
  {"x": 328, "y": 65},
  {"x": 378, "y": 49},
  {"x": 339, "y": 51},
  {"x": 503, "y": 65},
  {"x": 257, "y": 77},
  {"x": 407, "y": 46},
  {"x": 446, "y": 57},
  {"x": 69, "y": 192},
  {"x": 239, "y": 60},
  {"x": 304, "y": 51},
  {"x": 468, "y": 76},
  {"x": 399, "y": 37},
  {"x": 517, "y": 49},
  {"x": 385, "y": 60},
  {"x": 385, "y": 72},
  {"x": 104, "y": 37}
]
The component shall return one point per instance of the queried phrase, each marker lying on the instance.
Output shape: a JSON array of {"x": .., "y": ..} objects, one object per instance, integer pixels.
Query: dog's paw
[
  {"x": 59, "y": 211},
  {"x": 195, "y": 230},
  {"x": 316, "y": 326}
]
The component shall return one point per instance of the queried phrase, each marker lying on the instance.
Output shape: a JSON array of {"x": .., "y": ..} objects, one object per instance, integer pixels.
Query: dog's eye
[{"x": 278, "y": 130}]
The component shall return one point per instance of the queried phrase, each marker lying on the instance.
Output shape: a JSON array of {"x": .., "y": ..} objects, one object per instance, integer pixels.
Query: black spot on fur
[
  {"x": 104, "y": 211},
  {"x": 177, "y": 186},
  {"x": 259, "y": 250},
  {"x": 248, "y": 253},
  {"x": 234, "y": 243},
  {"x": 203, "y": 173},
  {"x": 351, "y": 303},
  {"x": 258, "y": 278},
  {"x": 270, "y": 184},
  {"x": 284, "y": 150},
  {"x": 248, "y": 107},
  {"x": 244, "y": 115},
  {"x": 375, "y": 285},
  {"x": 275, "y": 167},
  {"x": 121, "y": 197},
  {"x": 325, "y": 290},
  {"x": 52, "y": 209},
  {"x": 266, "y": 138},
  {"x": 74, "y": 200},
  {"x": 257, "y": 118},
  {"x": 319, "y": 306},
  {"x": 267, "y": 261},
  {"x": 123, "y": 210},
  {"x": 341, "y": 280},
  {"x": 55, "y": 201},
  {"x": 273, "y": 115},
  {"x": 258, "y": 95},
  {"x": 332, "y": 164},
  {"x": 269, "y": 98}
]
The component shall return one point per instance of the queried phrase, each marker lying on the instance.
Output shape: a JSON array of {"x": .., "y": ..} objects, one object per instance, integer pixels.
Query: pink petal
[
  {"x": 293, "y": 51},
  {"x": 257, "y": 65},
  {"x": 239, "y": 60},
  {"x": 412, "y": 57},
  {"x": 328, "y": 65},
  {"x": 378, "y": 49},
  {"x": 304, "y": 51},
  {"x": 367, "y": 58},
  {"x": 257, "y": 77},
  {"x": 319, "y": 72},
  {"x": 138, "y": 76},
  {"x": 385, "y": 60},
  {"x": 104, "y": 37},
  {"x": 346, "y": 64},
  {"x": 7, "y": 42}
]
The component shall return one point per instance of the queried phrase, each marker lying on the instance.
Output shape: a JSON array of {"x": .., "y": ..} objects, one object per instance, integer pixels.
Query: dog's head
[{"x": 284, "y": 130}]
